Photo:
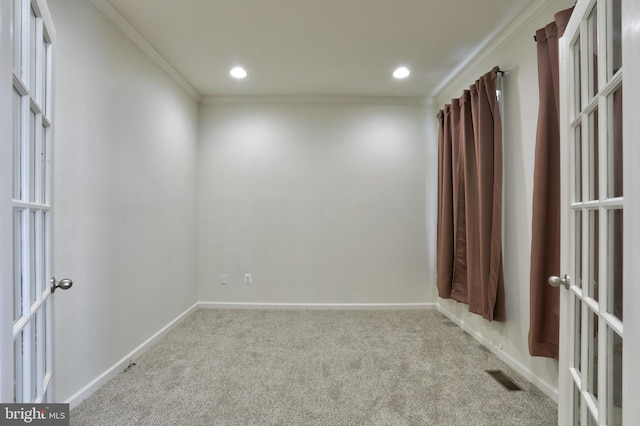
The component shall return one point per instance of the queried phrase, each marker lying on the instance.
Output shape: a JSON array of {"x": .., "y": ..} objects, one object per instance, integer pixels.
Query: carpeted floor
[{"x": 254, "y": 367}]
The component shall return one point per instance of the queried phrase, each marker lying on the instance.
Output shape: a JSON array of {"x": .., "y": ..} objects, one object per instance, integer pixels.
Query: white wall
[
  {"x": 125, "y": 212},
  {"x": 516, "y": 54},
  {"x": 321, "y": 202}
]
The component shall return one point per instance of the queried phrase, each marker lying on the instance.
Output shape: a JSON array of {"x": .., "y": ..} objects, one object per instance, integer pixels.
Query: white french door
[
  {"x": 26, "y": 353},
  {"x": 592, "y": 332}
]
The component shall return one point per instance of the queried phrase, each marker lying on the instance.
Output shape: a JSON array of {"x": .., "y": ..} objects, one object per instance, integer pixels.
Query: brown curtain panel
[
  {"x": 545, "y": 244},
  {"x": 469, "y": 237}
]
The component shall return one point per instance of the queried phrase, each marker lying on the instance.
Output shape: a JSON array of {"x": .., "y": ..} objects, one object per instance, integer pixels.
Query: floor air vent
[{"x": 504, "y": 380}]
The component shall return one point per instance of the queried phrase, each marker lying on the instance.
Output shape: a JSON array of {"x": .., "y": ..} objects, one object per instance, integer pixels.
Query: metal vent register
[{"x": 504, "y": 380}]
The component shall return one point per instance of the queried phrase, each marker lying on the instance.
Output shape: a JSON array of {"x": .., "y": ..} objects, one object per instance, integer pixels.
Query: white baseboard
[
  {"x": 548, "y": 389},
  {"x": 120, "y": 366},
  {"x": 317, "y": 306}
]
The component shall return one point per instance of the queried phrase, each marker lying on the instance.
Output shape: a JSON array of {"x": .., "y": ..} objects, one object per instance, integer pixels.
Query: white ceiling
[{"x": 316, "y": 47}]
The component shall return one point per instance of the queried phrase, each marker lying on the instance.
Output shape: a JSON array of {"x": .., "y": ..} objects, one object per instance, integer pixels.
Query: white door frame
[
  {"x": 6, "y": 192},
  {"x": 631, "y": 134}
]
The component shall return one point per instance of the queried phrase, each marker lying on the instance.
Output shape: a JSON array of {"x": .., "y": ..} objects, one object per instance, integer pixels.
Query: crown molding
[
  {"x": 114, "y": 16},
  {"x": 330, "y": 100},
  {"x": 466, "y": 70}
]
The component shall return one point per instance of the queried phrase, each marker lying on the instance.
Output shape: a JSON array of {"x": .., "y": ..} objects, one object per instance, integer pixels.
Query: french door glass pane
[
  {"x": 593, "y": 171},
  {"x": 577, "y": 74},
  {"x": 32, "y": 257},
  {"x": 616, "y": 36},
  {"x": 32, "y": 50},
  {"x": 577, "y": 337},
  {"x": 43, "y": 164},
  {"x": 592, "y": 52},
  {"x": 39, "y": 68},
  {"x": 32, "y": 156},
  {"x": 38, "y": 255},
  {"x": 46, "y": 247},
  {"x": 614, "y": 374},
  {"x": 18, "y": 273},
  {"x": 44, "y": 74},
  {"x": 594, "y": 253},
  {"x": 592, "y": 367},
  {"x": 37, "y": 160},
  {"x": 578, "y": 164},
  {"x": 34, "y": 357},
  {"x": 42, "y": 68},
  {"x": 17, "y": 38},
  {"x": 614, "y": 142},
  {"x": 18, "y": 373},
  {"x": 42, "y": 253},
  {"x": 39, "y": 351},
  {"x": 17, "y": 145},
  {"x": 578, "y": 249},
  {"x": 577, "y": 404},
  {"x": 614, "y": 283},
  {"x": 44, "y": 317}
]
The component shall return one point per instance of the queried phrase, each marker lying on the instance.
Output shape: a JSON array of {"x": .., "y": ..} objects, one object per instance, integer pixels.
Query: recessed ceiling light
[
  {"x": 238, "y": 72},
  {"x": 401, "y": 72}
]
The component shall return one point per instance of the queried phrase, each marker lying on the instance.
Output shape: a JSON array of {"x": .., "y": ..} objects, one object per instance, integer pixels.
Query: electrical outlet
[
  {"x": 248, "y": 279},
  {"x": 224, "y": 279}
]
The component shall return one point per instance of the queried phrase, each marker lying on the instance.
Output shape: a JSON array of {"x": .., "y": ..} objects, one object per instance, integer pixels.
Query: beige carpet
[{"x": 252, "y": 367}]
